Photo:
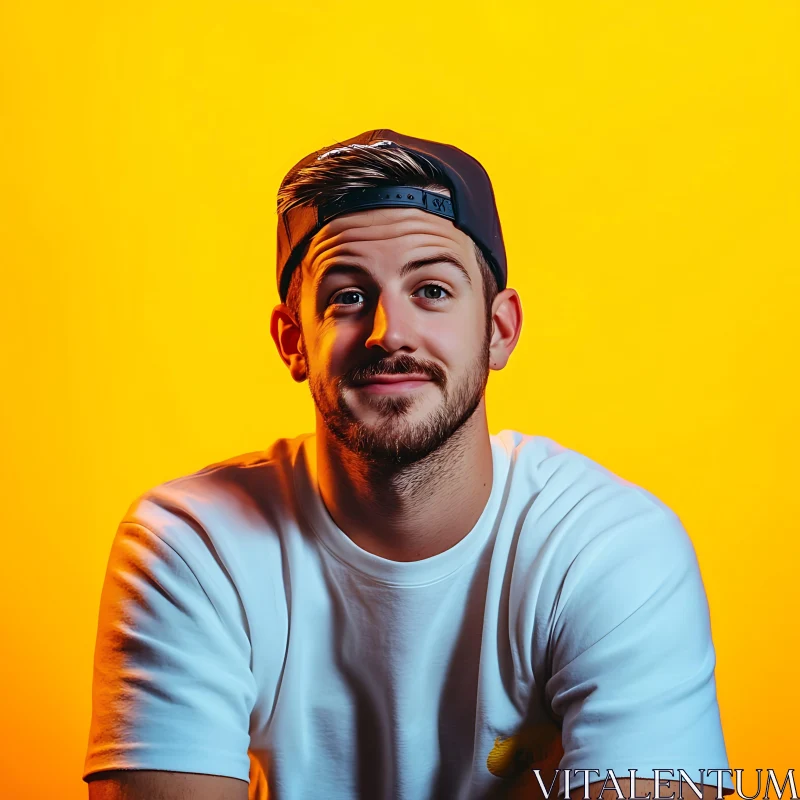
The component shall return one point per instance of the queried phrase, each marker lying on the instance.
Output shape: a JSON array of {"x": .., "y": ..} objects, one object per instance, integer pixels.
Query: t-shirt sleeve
[
  {"x": 172, "y": 685},
  {"x": 632, "y": 676}
]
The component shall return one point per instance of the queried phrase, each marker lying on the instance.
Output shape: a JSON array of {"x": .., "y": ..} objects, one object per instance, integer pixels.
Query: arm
[
  {"x": 172, "y": 691},
  {"x": 161, "y": 785},
  {"x": 633, "y": 660}
]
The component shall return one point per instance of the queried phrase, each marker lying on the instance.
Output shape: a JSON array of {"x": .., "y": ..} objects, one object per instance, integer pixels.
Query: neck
[{"x": 411, "y": 512}]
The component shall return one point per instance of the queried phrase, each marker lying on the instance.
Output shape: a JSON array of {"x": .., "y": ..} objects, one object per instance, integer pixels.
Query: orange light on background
[{"x": 645, "y": 162}]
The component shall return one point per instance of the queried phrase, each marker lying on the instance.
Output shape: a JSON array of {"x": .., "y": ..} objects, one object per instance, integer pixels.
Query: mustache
[{"x": 400, "y": 365}]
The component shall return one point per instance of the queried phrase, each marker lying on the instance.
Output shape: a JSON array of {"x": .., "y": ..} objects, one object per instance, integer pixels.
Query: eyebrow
[{"x": 410, "y": 266}]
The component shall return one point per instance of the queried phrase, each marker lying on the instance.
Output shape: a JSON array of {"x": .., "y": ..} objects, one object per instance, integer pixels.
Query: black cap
[{"x": 472, "y": 207}]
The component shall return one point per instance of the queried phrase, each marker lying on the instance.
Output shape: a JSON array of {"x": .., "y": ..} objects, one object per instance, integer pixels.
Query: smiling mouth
[{"x": 389, "y": 384}]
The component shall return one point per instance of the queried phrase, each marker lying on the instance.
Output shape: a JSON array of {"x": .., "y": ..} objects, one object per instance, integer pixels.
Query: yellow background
[{"x": 645, "y": 160}]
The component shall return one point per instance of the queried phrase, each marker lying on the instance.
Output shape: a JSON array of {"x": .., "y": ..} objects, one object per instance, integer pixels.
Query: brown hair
[{"x": 363, "y": 167}]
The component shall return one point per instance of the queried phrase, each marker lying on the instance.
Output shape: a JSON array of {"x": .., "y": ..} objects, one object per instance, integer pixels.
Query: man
[{"x": 401, "y": 605}]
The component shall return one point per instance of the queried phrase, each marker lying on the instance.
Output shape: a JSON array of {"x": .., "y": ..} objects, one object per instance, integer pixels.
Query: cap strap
[{"x": 390, "y": 197}]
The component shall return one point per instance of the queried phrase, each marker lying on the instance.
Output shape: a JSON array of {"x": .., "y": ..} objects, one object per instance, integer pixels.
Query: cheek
[
  {"x": 453, "y": 343},
  {"x": 332, "y": 349}
]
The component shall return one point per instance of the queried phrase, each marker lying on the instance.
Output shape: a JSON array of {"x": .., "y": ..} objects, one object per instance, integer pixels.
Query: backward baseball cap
[{"x": 471, "y": 207}]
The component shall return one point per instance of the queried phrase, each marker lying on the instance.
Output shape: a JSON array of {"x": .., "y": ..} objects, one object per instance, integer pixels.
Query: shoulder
[
  {"x": 224, "y": 513},
  {"x": 588, "y": 552},
  {"x": 598, "y": 562},
  {"x": 576, "y": 508},
  {"x": 234, "y": 486},
  {"x": 546, "y": 464}
]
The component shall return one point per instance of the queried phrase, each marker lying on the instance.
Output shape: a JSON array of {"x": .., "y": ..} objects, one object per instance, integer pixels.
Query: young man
[{"x": 400, "y": 605}]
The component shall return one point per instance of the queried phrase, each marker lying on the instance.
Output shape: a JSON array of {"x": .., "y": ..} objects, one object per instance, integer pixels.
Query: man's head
[{"x": 385, "y": 294}]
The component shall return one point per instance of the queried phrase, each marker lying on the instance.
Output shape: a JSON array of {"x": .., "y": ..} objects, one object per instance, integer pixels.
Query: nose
[{"x": 393, "y": 325}]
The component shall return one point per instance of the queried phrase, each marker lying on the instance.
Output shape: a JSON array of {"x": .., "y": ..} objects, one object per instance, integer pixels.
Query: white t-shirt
[{"x": 242, "y": 633}]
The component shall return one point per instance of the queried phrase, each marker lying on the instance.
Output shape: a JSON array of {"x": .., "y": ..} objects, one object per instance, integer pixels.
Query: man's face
[{"x": 395, "y": 335}]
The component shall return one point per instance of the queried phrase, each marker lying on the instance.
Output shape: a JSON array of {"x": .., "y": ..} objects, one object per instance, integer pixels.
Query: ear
[
  {"x": 506, "y": 327},
  {"x": 288, "y": 338}
]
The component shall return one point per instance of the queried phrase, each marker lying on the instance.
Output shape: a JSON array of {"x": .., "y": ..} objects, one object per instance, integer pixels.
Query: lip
[{"x": 386, "y": 384}]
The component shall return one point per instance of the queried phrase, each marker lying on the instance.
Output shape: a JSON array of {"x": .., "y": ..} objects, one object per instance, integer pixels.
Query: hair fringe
[{"x": 321, "y": 182}]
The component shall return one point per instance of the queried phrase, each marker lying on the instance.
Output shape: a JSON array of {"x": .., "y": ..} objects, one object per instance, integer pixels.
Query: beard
[{"x": 394, "y": 440}]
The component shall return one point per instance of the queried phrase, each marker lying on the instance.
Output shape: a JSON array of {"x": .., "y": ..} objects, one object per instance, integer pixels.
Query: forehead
[{"x": 390, "y": 234}]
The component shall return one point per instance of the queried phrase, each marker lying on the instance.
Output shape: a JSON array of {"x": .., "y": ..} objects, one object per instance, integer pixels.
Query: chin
[
  {"x": 382, "y": 410},
  {"x": 404, "y": 429}
]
